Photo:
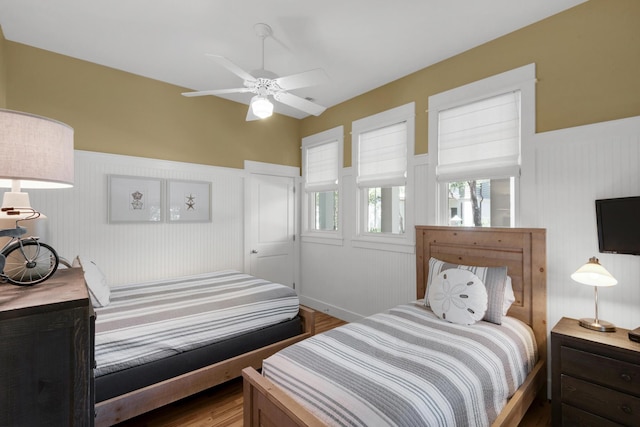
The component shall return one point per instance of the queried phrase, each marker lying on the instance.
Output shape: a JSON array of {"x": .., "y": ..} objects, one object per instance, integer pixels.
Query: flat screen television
[{"x": 619, "y": 225}]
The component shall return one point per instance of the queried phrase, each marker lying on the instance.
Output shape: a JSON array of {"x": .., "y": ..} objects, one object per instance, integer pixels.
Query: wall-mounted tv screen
[{"x": 619, "y": 225}]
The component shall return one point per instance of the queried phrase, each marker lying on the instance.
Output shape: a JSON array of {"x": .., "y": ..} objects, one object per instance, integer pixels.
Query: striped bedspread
[
  {"x": 149, "y": 321},
  {"x": 406, "y": 367}
]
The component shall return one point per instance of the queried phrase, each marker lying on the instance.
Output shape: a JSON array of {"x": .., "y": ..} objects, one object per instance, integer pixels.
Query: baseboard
[{"x": 332, "y": 310}]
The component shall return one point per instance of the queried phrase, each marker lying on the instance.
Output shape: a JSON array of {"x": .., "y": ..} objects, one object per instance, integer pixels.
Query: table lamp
[
  {"x": 37, "y": 152},
  {"x": 594, "y": 274}
]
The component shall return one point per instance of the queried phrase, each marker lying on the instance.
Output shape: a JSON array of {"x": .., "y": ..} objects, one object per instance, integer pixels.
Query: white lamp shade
[
  {"x": 594, "y": 274},
  {"x": 261, "y": 107},
  {"x": 36, "y": 151}
]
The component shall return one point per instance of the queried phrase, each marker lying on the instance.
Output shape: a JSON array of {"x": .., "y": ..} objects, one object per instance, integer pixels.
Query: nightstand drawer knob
[
  {"x": 626, "y": 409},
  {"x": 626, "y": 377}
]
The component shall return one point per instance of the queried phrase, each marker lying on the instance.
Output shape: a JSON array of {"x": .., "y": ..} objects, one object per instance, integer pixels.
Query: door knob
[{"x": 254, "y": 251}]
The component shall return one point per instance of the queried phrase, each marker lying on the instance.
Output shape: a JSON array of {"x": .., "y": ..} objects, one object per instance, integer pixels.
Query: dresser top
[
  {"x": 620, "y": 338},
  {"x": 66, "y": 287}
]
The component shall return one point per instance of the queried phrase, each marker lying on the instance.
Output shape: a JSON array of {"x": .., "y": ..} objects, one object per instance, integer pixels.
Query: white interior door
[{"x": 272, "y": 230}]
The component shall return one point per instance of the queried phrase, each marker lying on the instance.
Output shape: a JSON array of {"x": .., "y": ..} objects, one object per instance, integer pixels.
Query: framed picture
[
  {"x": 189, "y": 201},
  {"x": 135, "y": 199}
]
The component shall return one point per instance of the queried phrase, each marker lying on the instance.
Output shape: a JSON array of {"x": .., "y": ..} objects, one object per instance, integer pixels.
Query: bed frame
[
  {"x": 522, "y": 250},
  {"x": 137, "y": 402}
]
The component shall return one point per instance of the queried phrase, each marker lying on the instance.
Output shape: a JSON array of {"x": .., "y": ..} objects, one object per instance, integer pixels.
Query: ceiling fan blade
[
  {"x": 217, "y": 91},
  {"x": 304, "y": 79},
  {"x": 299, "y": 103},
  {"x": 232, "y": 67}
]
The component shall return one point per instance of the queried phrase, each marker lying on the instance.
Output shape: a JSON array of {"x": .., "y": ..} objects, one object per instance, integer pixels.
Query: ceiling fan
[{"x": 265, "y": 84}]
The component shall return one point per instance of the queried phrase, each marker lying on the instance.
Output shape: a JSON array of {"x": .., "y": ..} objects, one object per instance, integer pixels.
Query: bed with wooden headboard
[{"x": 522, "y": 250}]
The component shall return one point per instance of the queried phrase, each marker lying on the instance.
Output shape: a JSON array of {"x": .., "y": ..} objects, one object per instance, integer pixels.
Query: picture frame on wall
[
  {"x": 188, "y": 201},
  {"x": 134, "y": 199}
]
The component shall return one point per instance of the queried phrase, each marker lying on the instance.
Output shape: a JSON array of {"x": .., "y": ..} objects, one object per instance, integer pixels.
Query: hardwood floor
[{"x": 221, "y": 406}]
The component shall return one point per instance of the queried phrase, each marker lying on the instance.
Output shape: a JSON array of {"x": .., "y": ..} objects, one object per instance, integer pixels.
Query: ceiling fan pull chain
[{"x": 263, "y": 37}]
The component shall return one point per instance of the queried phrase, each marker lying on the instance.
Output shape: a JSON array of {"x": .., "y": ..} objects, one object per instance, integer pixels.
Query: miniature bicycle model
[{"x": 25, "y": 261}]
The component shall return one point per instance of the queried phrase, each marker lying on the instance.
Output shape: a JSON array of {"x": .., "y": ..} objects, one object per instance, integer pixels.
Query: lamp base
[
  {"x": 600, "y": 325},
  {"x": 35, "y": 227}
]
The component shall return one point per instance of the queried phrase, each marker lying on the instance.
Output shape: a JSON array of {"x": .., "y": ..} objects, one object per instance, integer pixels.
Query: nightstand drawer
[
  {"x": 601, "y": 401},
  {"x": 574, "y": 417},
  {"x": 609, "y": 372}
]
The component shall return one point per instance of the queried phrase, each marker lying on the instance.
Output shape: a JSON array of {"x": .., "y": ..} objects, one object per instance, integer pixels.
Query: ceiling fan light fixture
[
  {"x": 265, "y": 84},
  {"x": 261, "y": 107}
]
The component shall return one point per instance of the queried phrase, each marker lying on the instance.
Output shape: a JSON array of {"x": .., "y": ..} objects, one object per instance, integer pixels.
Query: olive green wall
[
  {"x": 587, "y": 62},
  {"x": 116, "y": 112},
  {"x": 3, "y": 73}
]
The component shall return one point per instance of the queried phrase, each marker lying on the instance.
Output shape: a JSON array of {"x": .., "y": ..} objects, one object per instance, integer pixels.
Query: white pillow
[
  {"x": 494, "y": 279},
  {"x": 99, "y": 290},
  {"x": 458, "y": 296},
  {"x": 509, "y": 296}
]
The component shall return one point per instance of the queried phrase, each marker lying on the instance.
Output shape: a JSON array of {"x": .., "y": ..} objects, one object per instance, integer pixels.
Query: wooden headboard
[{"x": 522, "y": 250}]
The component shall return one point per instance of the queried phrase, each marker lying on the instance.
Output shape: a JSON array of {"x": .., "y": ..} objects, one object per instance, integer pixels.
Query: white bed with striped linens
[
  {"x": 149, "y": 321},
  {"x": 406, "y": 367}
]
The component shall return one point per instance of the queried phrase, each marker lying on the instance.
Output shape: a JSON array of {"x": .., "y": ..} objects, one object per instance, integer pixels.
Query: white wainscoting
[
  {"x": 574, "y": 168},
  {"x": 144, "y": 251},
  {"x": 351, "y": 282}
]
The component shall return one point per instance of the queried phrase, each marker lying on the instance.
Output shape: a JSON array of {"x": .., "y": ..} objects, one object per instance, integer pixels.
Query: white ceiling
[{"x": 361, "y": 44}]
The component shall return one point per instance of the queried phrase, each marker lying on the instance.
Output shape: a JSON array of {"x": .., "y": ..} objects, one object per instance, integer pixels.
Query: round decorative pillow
[{"x": 458, "y": 296}]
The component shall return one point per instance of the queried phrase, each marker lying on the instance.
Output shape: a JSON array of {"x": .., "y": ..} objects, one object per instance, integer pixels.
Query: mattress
[
  {"x": 406, "y": 367},
  {"x": 151, "y": 321},
  {"x": 126, "y": 380}
]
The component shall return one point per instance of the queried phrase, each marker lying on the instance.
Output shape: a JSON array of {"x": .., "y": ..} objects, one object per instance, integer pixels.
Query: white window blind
[
  {"x": 322, "y": 167},
  {"x": 480, "y": 139},
  {"x": 382, "y": 156}
]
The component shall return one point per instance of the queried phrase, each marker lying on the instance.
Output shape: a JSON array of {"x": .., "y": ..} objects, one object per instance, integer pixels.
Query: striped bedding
[
  {"x": 149, "y": 321},
  {"x": 406, "y": 367}
]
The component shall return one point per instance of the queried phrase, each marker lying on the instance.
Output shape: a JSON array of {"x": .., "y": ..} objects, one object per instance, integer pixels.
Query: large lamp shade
[{"x": 36, "y": 150}]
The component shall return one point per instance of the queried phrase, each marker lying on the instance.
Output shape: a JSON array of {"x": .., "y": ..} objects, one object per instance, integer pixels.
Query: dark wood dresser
[
  {"x": 595, "y": 377},
  {"x": 46, "y": 352}
]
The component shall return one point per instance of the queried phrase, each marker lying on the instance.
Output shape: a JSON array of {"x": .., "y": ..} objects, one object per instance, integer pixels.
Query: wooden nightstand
[
  {"x": 595, "y": 376},
  {"x": 46, "y": 353}
]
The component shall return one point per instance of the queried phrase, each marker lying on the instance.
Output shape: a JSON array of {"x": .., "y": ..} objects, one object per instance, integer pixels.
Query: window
[
  {"x": 476, "y": 138},
  {"x": 382, "y": 174},
  {"x": 324, "y": 210},
  {"x": 321, "y": 164},
  {"x": 382, "y": 147},
  {"x": 481, "y": 202},
  {"x": 385, "y": 210}
]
